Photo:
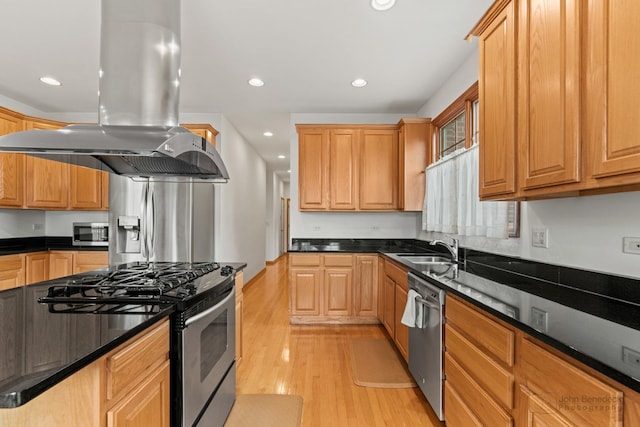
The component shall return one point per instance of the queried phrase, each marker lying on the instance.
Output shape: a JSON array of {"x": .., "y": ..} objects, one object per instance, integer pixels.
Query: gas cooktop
[{"x": 131, "y": 288}]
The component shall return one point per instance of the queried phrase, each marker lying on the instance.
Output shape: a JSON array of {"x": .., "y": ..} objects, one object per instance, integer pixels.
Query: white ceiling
[{"x": 306, "y": 51}]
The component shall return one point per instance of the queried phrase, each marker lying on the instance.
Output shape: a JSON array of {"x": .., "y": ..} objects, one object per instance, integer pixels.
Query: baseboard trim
[
  {"x": 255, "y": 278},
  {"x": 277, "y": 259}
]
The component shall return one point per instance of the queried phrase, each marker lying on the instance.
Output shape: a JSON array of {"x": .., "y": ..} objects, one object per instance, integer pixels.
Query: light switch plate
[
  {"x": 631, "y": 245},
  {"x": 540, "y": 237}
]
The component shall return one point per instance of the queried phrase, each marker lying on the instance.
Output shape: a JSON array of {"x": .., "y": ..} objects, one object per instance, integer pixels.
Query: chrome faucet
[{"x": 452, "y": 248}]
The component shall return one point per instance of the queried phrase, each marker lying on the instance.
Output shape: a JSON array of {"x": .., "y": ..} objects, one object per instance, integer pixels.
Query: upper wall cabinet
[
  {"x": 204, "y": 131},
  {"x": 576, "y": 98},
  {"x": 11, "y": 164},
  {"x": 497, "y": 99},
  {"x": 612, "y": 92},
  {"x": 363, "y": 167}
]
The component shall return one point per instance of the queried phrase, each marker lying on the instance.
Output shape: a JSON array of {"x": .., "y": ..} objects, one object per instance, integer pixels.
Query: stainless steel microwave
[{"x": 90, "y": 234}]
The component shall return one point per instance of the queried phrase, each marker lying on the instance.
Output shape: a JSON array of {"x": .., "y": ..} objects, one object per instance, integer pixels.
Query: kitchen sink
[{"x": 426, "y": 259}]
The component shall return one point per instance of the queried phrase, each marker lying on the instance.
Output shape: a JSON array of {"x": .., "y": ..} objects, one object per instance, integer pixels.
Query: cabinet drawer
[
  {"x": 576, "y": 395},
  {"x": 11, "y": 262},
  {"x": 338, "y": 260},
  {"x": 476, "y": 399},
  {"x": 486, "y": 333},
  {"x": 305, "y": 260},
  {"x": 92, "y": 258},
  {"x": 128, "y": 366},
  {"x": 487, "y": 372},
  {"x": 457, "y": 413},
  {"x": 396, "y": 273}
]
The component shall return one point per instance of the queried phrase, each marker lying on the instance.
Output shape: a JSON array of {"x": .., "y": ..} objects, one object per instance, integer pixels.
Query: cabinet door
[
  {"x": 497, "y": 97},
  {"x": 379, "y": 169},
  {"x": 388, "y": 316},
  {"x": 12, "y": 271},
  {"x": 90, "y": 260},
  {"x": 401, "y": 336},
  {"x": 414, "y": 138},
  {"x": 535, "y": 412},
  {"x": 305, "y": 291},
  {"x": 313, "y": 169},
  {"x": 11, "y": 165},
  {"x": 37, "y": 267},
  {"x": 549, "y": 92},
  {"x": 337, "y": 285},
  {"x": 205, "y": 131},
  {"x": 86, "y": 188},
  {"x": 366, "y": 286},
  {"x": 60, "y": 264},
  {"x": 343, "y": 172},
  {"x": 147, "y": 405},
  {"x": 47, "y": 181},
  {"x": 105, "y": 191},
  {"x": 612, "y": 98}
]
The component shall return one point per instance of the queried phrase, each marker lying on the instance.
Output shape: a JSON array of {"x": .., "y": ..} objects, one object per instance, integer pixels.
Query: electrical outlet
[
  {"x": 631, "y": 245},
  {"x": 375, "y": 228},
  {"x": 38, "y": 227},
  {"x": 540, "y": 237},
  {"x": 539, "y": 319},
  {"x": 631, "y": 357}
]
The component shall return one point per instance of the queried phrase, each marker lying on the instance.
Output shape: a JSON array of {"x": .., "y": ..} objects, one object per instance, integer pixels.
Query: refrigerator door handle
[
  {"x": 143, "y": 220},
  {"x": 151, "y": 219}
]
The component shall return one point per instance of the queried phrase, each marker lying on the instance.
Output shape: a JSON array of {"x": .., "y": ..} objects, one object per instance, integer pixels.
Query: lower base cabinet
[
  {"x": 395, "y": 289},
  {"x": 239, "y": 314},
  {"x": 333, "y": 288},
  {"x": 129, "y": 386},
  {"x": 498, "y": 375}
]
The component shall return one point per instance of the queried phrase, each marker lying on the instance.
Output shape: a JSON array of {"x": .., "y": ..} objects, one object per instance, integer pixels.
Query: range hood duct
[{"x": 137, "y": 134}]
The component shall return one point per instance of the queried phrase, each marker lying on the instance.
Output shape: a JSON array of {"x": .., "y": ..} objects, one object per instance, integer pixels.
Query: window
[
  {"x": 452, "y": 135},
  {"x": 456, "y": 127}
]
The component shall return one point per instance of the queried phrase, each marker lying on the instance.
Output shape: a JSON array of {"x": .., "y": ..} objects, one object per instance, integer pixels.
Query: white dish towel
[{"x": 412, "y": 316}]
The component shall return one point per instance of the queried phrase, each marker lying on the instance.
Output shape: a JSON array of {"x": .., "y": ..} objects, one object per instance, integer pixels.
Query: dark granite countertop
[
  {"x": 592, "y": 327},
  {"x": 21, "y": 245},
  {"x": 38, "y": 348}
]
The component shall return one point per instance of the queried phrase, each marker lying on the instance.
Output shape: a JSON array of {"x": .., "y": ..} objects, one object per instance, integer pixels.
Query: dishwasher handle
[{"x": 422, "y": 319}]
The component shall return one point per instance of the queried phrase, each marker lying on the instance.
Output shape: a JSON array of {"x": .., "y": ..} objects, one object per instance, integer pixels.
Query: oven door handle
[{"x": 207, "y": 312}]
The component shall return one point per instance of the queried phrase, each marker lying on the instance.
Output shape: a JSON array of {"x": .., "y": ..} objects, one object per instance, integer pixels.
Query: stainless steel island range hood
[{"x": 137, "y": 133}]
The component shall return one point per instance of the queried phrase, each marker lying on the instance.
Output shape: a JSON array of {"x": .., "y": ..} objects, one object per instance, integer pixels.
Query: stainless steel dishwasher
[{"x": 425, "y": 341}]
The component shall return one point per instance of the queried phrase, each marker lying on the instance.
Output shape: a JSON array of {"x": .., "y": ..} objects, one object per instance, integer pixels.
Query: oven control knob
[{"x": 226, "y": 270}]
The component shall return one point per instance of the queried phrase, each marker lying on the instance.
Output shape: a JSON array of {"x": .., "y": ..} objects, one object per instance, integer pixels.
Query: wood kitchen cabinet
[
  {"x": 11, "y": 164},
  {"x": 378, "y": 169},
  {"x": 86, "y": 187},
  {"x": 548, "y": 92},
  {"x": 37, "y": 267},
  {"x": 61, "y": 263},
  {"x": 560, "y": 74},
  {"x": 366, "y": 289},
  {"x": 205, "y": 131},
  {"x": 47, "y": 181},
  {"x": 612, "y": 94},
  {"x": 414, "y": 135},
  {"x": 12, "y": 271},
  {"x": 89, "y": 260},
  {"x": 358, "y": 167},
  {"x": 478, "y": 364},
  {"x": 333, "y": 288},
  {"x": 395, "y": 290},
  {"x": 497, "y": 102},
  {"x": 313, "y": 169}
]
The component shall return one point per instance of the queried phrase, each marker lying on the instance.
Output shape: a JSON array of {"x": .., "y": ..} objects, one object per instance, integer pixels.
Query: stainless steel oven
[
  {"x": 90, "y": 234},
  {"x": 425, "y": 341},
  {"x": 206, "y": 363}
]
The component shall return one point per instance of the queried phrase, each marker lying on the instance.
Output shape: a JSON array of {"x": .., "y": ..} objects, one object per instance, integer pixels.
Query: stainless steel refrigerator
[{"x": 156, "y": 219}]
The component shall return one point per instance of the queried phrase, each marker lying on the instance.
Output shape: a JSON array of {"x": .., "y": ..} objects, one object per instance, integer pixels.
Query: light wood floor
[{"x": 314, "y": 362}]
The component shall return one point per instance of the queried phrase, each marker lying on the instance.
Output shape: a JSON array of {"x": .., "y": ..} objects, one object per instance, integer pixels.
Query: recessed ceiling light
[
  {"x": 282, "y": 156},
  {"x": 50, "y": 81},
  {"x": 256, "y": 82},
  {"x": 382, "y": 4},
  {"x": 267, "y": 133},
  {"x": 359, "y": 83}
]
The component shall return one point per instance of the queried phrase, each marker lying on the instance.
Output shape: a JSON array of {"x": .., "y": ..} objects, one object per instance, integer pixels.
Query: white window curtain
[{"x": 452, "y": 204}]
